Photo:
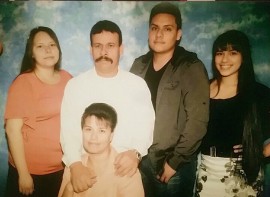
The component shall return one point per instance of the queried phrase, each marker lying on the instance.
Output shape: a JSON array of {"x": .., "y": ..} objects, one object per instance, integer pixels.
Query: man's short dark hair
[
  {"x": 101, "y": 111},
  {"x": 167, "y": 8},
  {"x": 106, "y": 25}
]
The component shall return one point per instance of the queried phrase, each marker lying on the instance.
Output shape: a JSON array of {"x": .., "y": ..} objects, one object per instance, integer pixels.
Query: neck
[
  {"x": 44, "y": 71},
  {"x": 99, "y": 161},
  {"x": 99, "y": 157},
  {"x": 47, "y": 75},
  {"x": 161, "y": 59},
  {"x": 106, "y": 73},
  {"x": 227, "y": 89},
  {"x": 230, "y": 81}
]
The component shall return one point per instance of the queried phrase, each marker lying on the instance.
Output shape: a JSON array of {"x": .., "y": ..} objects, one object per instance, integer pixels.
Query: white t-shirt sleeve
[
  {"x": 70, "y": 135},
  {"x": 144, "y": 117},
  {"x": 137, "y": 116}
]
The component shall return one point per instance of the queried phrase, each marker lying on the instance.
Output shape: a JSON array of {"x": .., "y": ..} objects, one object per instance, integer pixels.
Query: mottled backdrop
[{"x": 202, "y": 22}]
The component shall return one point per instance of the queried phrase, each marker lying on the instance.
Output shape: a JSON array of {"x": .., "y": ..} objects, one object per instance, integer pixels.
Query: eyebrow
[
  {"x": 40, "y": 42},
  {"x": 101, "y": 126},
  {"x": 222, "y": 50},
  {"x": 169, "y": 25},
  {"x": 94, "y": 43}
]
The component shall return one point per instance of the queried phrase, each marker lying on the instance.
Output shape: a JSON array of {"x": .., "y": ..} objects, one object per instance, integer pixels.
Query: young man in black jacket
[{"x": 179, "y": 87}]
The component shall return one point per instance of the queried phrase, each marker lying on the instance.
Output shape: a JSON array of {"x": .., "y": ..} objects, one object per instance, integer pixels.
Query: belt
[{"x": 215, "y": 152}]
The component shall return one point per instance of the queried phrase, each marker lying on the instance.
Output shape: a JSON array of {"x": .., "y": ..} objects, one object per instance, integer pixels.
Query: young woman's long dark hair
[
  {"x": 252, "y": 132},
  {"x": 28, "y": 62}
]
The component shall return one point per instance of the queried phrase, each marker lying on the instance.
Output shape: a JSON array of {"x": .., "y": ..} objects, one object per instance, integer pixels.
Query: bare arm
[
  {"x": 82, "y": 178},
  {"x": 15, "y": 142},
  {"x": 82, "y": 183},
  {"x": 126, "y": 163},
  {"x": 266, "y": 150},
  {"x": 68, "y": 191}
]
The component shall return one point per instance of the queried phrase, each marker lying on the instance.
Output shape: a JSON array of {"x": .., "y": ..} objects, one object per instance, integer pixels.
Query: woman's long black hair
[
  {"x": 252, "y": 132},
  {"x": 28, "y": 62}
]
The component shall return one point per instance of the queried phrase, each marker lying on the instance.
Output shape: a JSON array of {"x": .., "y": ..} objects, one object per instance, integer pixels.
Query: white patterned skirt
[{"x": 223, "y": 177}]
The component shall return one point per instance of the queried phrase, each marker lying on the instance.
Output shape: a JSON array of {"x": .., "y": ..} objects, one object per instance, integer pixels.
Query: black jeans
[
  {"x": 180, "y": 185},
  {"x": 47, "y": 185}
]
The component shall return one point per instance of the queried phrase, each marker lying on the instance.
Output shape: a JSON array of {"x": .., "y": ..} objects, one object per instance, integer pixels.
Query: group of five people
[{"x": 158, "y": 117}]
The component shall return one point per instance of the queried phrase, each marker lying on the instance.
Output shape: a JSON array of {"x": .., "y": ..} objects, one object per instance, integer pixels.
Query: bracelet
[{"x": 138, "y": 155}]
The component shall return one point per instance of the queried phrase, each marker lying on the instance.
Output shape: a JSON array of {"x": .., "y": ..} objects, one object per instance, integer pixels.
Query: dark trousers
[
  {"x": 47, "y": 185},
  {"x": 180, "y": 185},
  {"x": 266, "y": 186}
]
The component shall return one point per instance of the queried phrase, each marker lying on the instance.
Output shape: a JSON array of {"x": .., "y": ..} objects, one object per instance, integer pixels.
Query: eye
[
  {"x": 154, "y": 28},
  {"x": 102, "y": 131},
  {"x": 234, "y": 52},
  {"x": 97, "y": 46},
  {"x": 219, "y": 53},
  {"x": 111, "y": 45},
  {"x": 87, "y": 129},
  {"x": 53, "y": 45},
  {"x": 168, "y": 29}
]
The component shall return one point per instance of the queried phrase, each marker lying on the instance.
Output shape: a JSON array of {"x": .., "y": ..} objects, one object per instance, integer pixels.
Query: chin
[{"x": 92, "y": 151}]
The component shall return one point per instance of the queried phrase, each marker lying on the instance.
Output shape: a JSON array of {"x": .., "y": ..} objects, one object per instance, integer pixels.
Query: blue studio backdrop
[{"x": 72, "y": 21}]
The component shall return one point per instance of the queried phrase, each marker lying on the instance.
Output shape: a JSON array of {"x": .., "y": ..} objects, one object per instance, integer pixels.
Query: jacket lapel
[{"x": 163, "y": 82}]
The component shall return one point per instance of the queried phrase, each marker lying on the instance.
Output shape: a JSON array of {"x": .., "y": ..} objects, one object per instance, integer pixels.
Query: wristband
[{"x": 138, "y": 155}]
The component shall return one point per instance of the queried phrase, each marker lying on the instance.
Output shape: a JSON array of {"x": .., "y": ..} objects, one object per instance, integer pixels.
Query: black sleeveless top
[{"x": 225, "y": 127}]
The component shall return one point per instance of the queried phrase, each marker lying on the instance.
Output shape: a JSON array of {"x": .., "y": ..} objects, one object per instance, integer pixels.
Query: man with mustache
[{"x": 124, "y": 91}]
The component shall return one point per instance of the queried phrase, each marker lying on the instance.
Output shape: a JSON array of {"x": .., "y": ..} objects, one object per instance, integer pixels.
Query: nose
[
  {"x": 224, "y": 57},
  {"x": 104, "y": 51},
  {"x": 93, "y": 136},
  {"x": 159, "y": 33},
  {"x": 47, "y": 48}
]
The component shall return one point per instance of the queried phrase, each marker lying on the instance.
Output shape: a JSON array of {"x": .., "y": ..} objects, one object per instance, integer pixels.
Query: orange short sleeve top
[{"x": 38, "y": 104}]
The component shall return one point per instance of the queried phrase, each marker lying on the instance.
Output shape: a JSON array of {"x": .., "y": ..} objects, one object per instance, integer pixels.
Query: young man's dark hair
[
  {"x": 106, "y": 25},
  {"x": 102, "y": 111},
  {"x": 167, "y": 8}
]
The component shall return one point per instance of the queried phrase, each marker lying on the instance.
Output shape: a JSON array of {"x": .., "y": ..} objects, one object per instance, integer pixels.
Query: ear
[
  {"x": 111, "y": 137},
  {"x": 179, "y": 34},
  {"x": 91, "y": 50},
  {"x": 121, "y": 49}
]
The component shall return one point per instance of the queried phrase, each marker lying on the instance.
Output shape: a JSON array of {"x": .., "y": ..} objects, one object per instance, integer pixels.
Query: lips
[
  {"x": 93, "y": 143},
  {"x": 225, "y": 67},
  {"x": 49, "y": 57},
  {"x": 159, "y": 42}
]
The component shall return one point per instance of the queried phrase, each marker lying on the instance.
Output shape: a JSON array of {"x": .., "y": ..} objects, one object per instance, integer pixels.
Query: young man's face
[
  {"x": 97, "y": 135},
  {"x": 106, "y": 53},
  {"x": 163, "y": 33}
]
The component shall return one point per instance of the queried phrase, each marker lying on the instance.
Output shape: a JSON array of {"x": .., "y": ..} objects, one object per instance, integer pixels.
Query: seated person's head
[{"x": 98, "y": 123}]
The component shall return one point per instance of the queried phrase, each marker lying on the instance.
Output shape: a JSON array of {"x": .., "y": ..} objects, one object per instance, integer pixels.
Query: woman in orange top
[{"x": 32, "y": 118}]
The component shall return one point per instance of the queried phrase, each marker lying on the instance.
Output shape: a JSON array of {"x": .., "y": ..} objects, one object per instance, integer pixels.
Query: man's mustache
[{"x": 104, "y": 58}]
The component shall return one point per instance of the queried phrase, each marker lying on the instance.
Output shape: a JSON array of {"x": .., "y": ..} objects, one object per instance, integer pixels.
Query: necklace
[{"x": 46, "y": 79}]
